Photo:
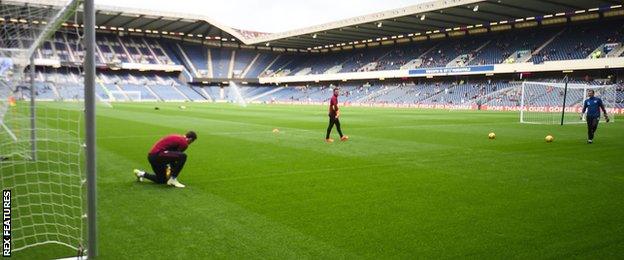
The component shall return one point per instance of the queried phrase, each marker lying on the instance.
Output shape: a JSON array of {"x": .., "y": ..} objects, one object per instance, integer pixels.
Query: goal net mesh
[
  {"x": 41, "y": 151},
  {"x": 129, "y": 95},
  {"x": 543, "y": 102}
]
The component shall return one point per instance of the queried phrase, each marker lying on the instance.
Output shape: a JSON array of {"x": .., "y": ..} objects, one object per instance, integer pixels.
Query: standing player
[
  {"x": 168, "y": 151},
  {"x": 334, "y": 113},
  {"x": 592, "y": 106}
]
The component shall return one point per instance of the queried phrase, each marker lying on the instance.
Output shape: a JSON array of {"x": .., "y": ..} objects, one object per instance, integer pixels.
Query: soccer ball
[
  {"x": 492, "y": 136},
  {"x": 549, "y": 138},
  {"x": 182, "y": 107},
  {"x": 275, "y": 130}
]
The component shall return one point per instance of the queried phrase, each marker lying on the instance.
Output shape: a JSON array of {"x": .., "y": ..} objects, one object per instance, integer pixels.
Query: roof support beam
[
  {"x": 411, "y": 25},
  {"x": 316, "y": 41},
  {"x": 207, "y": 31},
  {"x": 445, "y": 23},
  {"x": 524, "y": 8},
  {"x": 480, "y": 20},
  {"x": 110, "y": 19},
  {"x": 387, "y": 29},
  {"x": 347, "y": 32},
  {"x": 195, "y": 27},
  {"x": 170, "y": 23},
  {"x": 363, "y": 29},
  {"x": 402, "y": 29},
  {"x": 568, "y": 5},
  {"x": 504, "y": 16},
  {"x": 302, "y": 43},
  {"x": 150, "y": 22},
  {"x": 613, "y": 2},
  {"x": 131, "y": 21},
  {"x": 180, "y": 28}
]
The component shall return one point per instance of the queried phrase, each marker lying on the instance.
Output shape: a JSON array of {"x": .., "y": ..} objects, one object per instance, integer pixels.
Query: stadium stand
[
  {"x": 503, "y": 46},
  {"x": 579, "y": 43},
  {"x": 554, "y": 43},
  {"x": 200, "y": 72}
]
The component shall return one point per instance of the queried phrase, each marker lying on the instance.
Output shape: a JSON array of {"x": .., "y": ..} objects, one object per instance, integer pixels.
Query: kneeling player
[
  {"x": 168, "y": 151},
  {"x": 592, "y": 106}
]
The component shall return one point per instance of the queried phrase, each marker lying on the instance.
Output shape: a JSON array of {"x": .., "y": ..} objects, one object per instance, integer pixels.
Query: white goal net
[
  {"x": 552, "y": 103},
  {"x": 41, "y": 142},
  {"x": 116, "y": 95}
]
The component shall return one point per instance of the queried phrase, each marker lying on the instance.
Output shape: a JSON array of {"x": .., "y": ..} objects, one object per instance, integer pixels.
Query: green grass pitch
[{"x": 408, "y": 184}]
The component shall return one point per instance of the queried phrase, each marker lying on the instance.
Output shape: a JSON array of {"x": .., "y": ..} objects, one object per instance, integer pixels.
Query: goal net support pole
[
  {"x": 565, "y": 98},
  {"x": 89, "y": 83},
  {"x": 33, "y": 113},
  {"x": 522, "y": 104}
]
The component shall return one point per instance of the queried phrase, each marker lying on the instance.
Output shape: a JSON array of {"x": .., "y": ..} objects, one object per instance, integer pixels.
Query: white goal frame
[
  {"x": 566, "y": 105},
  {"x": 50, "y": 170}
]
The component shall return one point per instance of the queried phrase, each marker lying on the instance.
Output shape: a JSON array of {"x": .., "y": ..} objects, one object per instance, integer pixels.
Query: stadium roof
[
  {"x": 171, "y": 22},
  {"x": 428, "y": 17},
  {"x": 425, "y": 17},
  {"x": 113, "y": 18}
]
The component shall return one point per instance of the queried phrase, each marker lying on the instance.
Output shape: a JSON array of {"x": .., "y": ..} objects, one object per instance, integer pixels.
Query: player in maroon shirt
[
  {"x": 334, "y": 113},
  {"x": 168, "y": 151}
]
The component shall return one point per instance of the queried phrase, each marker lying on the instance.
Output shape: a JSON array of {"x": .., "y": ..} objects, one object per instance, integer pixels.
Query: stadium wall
[{"x": 618, "y": 111}]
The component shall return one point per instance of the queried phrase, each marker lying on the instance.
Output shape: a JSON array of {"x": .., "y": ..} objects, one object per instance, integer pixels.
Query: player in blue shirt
[{"x": 592, "y": 106}]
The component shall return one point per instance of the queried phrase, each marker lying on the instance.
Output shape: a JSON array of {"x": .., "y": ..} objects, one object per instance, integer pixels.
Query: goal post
[
  {"x": 559, "y": 102},
  {"x": 47, "y": 148}
]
